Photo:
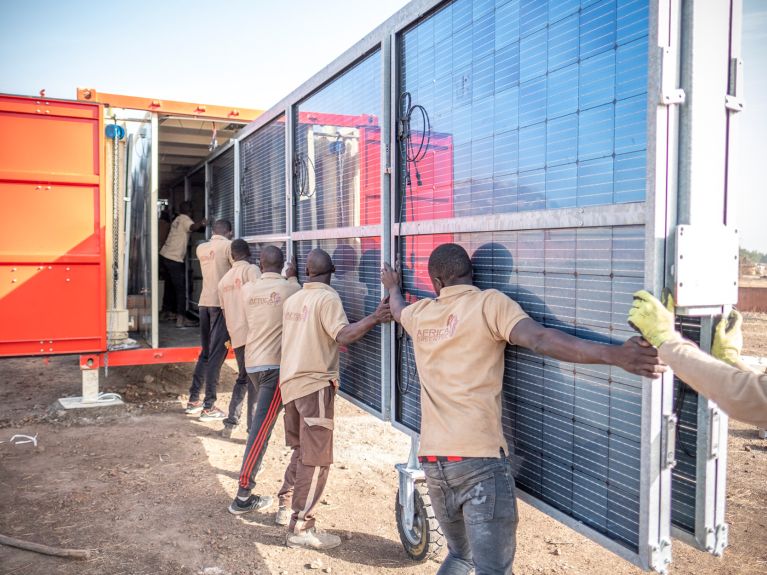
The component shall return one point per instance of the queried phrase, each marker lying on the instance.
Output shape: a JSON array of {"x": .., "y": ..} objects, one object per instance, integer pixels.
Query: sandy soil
[{"x": 147, "y": 490}]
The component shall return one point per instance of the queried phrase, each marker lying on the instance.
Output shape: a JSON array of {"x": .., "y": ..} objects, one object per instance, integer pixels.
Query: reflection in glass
[
  {"x": 515, "y": 90},
  {"x": 338, "y": 151},
  {"x": 262, "y": 165}
]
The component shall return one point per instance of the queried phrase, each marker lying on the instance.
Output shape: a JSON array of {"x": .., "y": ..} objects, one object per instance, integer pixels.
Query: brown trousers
[{"x": 309, "y": 432}]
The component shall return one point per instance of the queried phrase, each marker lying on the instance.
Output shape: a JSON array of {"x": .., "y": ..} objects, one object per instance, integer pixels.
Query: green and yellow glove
[
  {"x": 650, "y": 318},
  {"x": 728, "y": 339}
]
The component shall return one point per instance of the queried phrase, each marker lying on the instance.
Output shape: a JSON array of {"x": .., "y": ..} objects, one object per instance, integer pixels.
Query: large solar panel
[
  {"x": 221, "y": 187},
  {"x": 357, "y": 281},
  {"x": 262, "y": 182}
]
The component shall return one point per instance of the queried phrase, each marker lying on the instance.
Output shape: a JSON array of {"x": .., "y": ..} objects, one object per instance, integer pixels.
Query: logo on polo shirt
[
  {"x": 297, "y": 315},
  {"x": 272, "y": 299},
  {"x": 209, "y": 258},
  {"x": 237, "y": 285},
  {"x": 435, "y": 335}
]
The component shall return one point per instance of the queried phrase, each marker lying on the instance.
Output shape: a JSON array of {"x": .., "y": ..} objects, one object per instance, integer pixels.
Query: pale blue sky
[{"x": 252, "y": 53}]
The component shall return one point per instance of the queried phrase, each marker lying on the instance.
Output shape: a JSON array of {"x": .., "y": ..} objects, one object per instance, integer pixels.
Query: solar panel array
[
  {"x": 262, "y": 187},
  {"x": 538, "y": 106},
  {"x": 221, "y": 191}
]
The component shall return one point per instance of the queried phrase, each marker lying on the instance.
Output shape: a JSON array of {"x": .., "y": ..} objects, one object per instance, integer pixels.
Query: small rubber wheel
[{"x": 424, "y": 540}]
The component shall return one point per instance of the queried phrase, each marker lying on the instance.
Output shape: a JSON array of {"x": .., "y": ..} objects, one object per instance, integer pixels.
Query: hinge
[
  {"x": 733, "y": 100},
  {"x": 669, "y": 441},
  {"x": 660, "y": 556},
  {"x": 669, "y": 94},
  {"x": 714, "y": 433}
]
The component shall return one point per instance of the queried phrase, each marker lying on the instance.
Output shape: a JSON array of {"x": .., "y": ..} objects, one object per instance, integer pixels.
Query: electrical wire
[{"x": 301, "y": 171}]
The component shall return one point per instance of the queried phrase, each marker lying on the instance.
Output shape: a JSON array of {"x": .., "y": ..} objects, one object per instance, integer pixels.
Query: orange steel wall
[{"x": 52, "y": 270}]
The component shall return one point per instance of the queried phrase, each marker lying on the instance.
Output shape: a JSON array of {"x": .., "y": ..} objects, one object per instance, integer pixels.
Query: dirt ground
[{"x": 147, "y": 489}]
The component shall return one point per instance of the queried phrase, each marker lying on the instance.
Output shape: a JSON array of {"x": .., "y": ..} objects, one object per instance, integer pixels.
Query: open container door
[
  {"x": 563, "y": 169},
  {"x": 52, "y": 271},
  {"x": 705, "y": 240}
]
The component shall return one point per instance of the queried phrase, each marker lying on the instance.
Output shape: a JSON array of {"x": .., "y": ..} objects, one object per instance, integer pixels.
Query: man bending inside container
[
  {"x": 230, "y": 296},
  {"x": 314, "y": 325},
  {"x": 172, "y": 256},
  {"x": 215, "y": 260},
  {"x": 263, "y": 301},
  {"x": 459, "y": 340}
]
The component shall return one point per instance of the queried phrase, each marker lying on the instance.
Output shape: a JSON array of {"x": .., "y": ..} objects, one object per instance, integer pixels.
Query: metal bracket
[
  {"x": 721, "y": 539},
  {"x": 714, "y": 433},
  {"x": 733, "y": 100},
  {"x": 409, "y": 474},
  {"x": 669, "y": 441},
  {"x": 670, "y": 95},
  {"x": 660, "y": 556}
]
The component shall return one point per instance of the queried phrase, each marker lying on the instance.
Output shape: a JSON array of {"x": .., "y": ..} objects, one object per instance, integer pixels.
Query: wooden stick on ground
[{"x": 44, "y": 549}]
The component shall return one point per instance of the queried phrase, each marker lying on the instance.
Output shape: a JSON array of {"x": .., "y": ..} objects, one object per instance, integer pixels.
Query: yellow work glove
[
  {"x": 650, "y": 318},
  {"x": 728, "y": 339}
]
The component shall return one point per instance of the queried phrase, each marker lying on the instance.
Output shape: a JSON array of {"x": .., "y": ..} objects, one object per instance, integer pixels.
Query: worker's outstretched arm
[
  {"x": 390, "y": 279},
  {"x": 357, "y": 330},
  {"x": 635, "y": 355}
]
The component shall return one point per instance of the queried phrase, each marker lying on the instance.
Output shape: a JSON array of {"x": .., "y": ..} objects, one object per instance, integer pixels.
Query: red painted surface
[
  {"x": 52, "y": 274},
  {"x": 752, "y": 299},
  {"x": 142, "y": 356}
]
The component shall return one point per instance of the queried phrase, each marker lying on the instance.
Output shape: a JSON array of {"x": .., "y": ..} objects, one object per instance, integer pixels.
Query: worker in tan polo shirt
[
  {"x": 172, "y": 256},
  {"x": 230, "y": 296},
  {"x": 739, "y": 391},
  {"x": 215, "y": 260},
  {"x": 314, "y": 325},
  {"x": 263, "y": 301},
  {"x": 459, "y": 340}
]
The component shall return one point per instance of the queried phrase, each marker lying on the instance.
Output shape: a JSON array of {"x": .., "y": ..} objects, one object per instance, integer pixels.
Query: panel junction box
[{"x": 705, "y": 266}]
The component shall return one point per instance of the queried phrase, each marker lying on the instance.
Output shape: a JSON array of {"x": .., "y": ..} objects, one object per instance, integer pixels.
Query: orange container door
[{"x": 52, "y": 276}]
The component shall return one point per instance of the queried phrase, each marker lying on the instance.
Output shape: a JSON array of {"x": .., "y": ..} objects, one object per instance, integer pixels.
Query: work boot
[
  {"x": 283, "y": 515},
  {"x": 227, "y": 431},
  {"x": 312, "y": 539}
]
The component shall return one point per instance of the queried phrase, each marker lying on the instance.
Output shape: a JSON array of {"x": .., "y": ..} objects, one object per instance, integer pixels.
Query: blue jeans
[{"x": 475, "y": 505}]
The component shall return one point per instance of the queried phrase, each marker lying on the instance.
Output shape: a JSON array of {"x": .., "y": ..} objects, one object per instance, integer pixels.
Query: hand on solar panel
[
  {"x": 390, "y": 278},
  {"x": 651, "y": 318},
  {"x": 291, "y": 270},
  {"x": 637, "y": 356},
  {"x": 728, "y": 339}
]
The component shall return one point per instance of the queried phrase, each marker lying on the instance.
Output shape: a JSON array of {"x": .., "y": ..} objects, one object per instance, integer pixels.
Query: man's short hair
[
  {"x": 449, "y": 262},
  {"x": 240, "y": 249},
  {"x": 222, "y": 227}
]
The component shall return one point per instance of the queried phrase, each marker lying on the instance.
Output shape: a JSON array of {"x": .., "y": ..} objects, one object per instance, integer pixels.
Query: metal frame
[
  {"x": 706, "y": 162},
  {"x": 237, "y": 193}
]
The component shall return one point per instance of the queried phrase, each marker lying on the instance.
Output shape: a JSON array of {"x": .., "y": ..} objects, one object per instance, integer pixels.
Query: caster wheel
[{"x": 424, "y": 539}]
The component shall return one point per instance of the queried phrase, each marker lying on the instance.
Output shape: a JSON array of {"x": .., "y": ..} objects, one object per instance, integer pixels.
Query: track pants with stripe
[
  {"x": 268, "y": 407},
  {"x": 309, "y": 431}
]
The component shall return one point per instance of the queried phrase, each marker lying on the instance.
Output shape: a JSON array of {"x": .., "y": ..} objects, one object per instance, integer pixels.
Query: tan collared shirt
[
  {"x": 263, "y": 302},
  {"x": 175, "y": 244},
  {"x": 230, "y": 296},
  {"x": 312, "y": 319},
  {"x": 741, "y": 394},
  {"x": 459, "y": 339},
  {"x": 215, "y": 257}
]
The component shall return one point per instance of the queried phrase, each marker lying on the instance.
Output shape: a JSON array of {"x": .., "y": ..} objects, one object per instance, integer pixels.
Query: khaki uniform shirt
[
  {"x": 741, "y": 394},
  {"x": 215, "y": 258},
  {"x": 230, "y": 296},
  {"x": 459, "y": 340},
  {"x": 175, "y": 244},
  {"x": 262, "y": 302},
  {"x": 311, "y": 320}
]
